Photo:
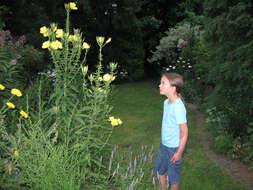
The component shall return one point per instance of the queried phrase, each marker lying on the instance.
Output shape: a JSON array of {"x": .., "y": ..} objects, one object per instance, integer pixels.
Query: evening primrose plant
[{"x": 59, "y": 146}]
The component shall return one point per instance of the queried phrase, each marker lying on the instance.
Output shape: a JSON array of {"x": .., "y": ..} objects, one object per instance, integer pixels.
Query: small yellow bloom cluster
[
  {"x": 107, "y": 77},
  {"x": 114, "y": 121},
  {"x": 59, "y": 33},
  {"x": 53, "y": 45},
  {"x": 18, "y": 93},
  {"x": 16, "y": 153},
  {"x": 86, "y": 46},
  {"x": 2, "y": 87},
  {"x": 72, "y": 6},
  {"x": 24, "y": 114},
  {"x": 10, "y": 105},
  {"x": 44, "y": 31},
  {"x": 56, "y": 45}
]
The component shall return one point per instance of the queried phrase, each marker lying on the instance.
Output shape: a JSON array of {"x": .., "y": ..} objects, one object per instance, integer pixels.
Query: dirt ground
[{"x": 233, "y": 168}]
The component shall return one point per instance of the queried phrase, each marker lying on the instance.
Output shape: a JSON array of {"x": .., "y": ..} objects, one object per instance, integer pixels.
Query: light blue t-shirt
[{"x": 173, "y": 115}]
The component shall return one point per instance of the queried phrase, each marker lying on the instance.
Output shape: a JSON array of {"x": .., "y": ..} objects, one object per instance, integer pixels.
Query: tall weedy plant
[{"x": 59, "y": 147}]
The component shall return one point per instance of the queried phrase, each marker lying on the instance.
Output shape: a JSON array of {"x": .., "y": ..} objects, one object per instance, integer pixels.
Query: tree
[{"x": 229, "y": 36}]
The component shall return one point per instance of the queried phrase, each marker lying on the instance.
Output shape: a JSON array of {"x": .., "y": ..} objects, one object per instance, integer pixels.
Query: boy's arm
[{"x": 183, "y": 139}]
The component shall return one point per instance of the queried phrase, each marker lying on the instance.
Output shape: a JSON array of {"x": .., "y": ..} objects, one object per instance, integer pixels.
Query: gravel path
[{"x": 233, "y": 168}]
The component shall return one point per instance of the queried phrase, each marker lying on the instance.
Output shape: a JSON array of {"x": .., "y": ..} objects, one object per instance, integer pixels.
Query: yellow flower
[
  {"x": 120, "y": 122},
  {"x": 56, "y": 45},
  {"x": 114, "y": 122},
  {"x": 108, "y": 77},
  {"x": 10, "y": 105},
  {"x": 46, "y": 34},
  {"x": 16, "y": 92},
  {"x": 2, "y": 87},
  {"x": 46, "y": 45},
  {"x": 111, "y": 118},
  {"x": 24, "y": 114},
  {"x": 43, "y": 29},
  {"x": 59, "y": 33},
  {"x": 86, "y": 46},
  {"x": 16, "y": 153},
  {"x": 72, "y": 6}
]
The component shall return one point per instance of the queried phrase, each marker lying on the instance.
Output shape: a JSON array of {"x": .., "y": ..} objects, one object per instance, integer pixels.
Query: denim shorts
[{"x": 163, "y": 164}]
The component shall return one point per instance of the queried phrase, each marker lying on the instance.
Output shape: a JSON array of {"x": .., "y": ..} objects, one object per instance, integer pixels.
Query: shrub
[{"x": 20, "y": 63}]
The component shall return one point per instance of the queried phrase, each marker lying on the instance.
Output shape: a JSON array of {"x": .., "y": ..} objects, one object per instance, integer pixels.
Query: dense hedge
[{"x": 229, "y": 35}]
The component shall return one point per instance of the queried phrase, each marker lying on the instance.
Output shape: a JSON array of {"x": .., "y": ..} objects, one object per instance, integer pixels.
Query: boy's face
[{"x": 165, "y": 87}]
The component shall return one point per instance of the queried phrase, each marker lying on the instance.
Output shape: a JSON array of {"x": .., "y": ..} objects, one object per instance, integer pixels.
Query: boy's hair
[{"x": 177, "y": 81}]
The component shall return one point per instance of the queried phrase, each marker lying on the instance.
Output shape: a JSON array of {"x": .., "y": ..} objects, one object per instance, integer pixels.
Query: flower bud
[
  {"x": 100, "y": 40},
  {"x": 108, "y": 41},
  {"x": 85, "y": 69}
]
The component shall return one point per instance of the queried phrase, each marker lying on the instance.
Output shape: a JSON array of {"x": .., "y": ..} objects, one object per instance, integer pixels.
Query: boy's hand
[{"x": 175, "y": 157}]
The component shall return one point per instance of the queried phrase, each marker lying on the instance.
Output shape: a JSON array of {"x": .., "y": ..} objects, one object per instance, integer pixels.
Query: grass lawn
[{"x": 140, "y": 106}]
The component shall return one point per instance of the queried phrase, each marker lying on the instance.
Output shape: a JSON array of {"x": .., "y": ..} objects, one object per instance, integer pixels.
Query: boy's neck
[{"x": 172, "y": 98}]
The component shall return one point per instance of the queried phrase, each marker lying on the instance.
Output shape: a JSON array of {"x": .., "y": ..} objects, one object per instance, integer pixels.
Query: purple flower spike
[
  {"x": 158, "y": 176},
  {"x": 145, "y": 158},
  {"x": 151, "y": 159},
  {"x": 115, "y": 148},
  {"x": 141, "y": 171},
  {"x": 101, "y": 159},
  {"x": 153, "y": 181},
  {"x": 168, "y": 183},
  {"x": 130, "y": 164},
  {"x": 110, "y": 165},
  {"x": 131, "y": 187},
  {"x": 112, "y": 154},
  {"x": 128, "y": 169},
  {"x": 152, "y": 173},
  {"x": 142, "y": 147},
  {"x": 135, "y": 162}
]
